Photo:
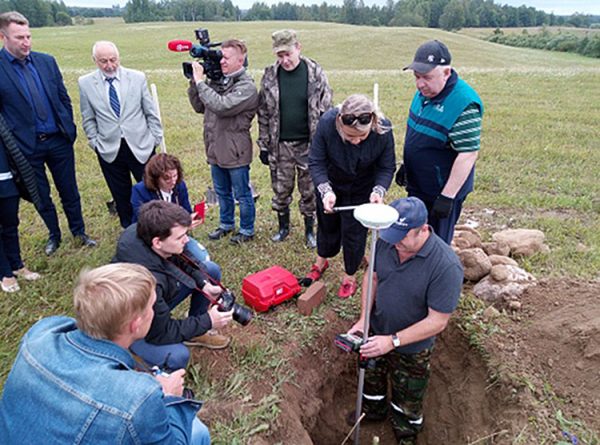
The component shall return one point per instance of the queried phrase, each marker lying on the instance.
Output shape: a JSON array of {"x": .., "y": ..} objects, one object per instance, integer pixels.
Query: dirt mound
[{"x": 555, "y": 341}]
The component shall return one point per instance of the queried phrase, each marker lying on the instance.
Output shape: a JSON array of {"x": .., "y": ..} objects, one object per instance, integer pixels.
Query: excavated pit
[{"x": 461, "y": 405}]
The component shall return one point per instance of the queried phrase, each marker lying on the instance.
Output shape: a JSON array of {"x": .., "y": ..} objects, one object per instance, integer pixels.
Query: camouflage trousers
[
  {"x": 291, "y": 161},
  {"x": 409, "y": 375}
]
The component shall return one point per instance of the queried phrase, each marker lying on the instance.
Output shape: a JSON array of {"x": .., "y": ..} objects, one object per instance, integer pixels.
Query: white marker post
[
  {"x": 376, "y": 94},
  {"x": 163, "y": 145}
]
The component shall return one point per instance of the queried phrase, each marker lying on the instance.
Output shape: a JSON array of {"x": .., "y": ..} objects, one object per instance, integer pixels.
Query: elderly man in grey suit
[{"x": 121, "y": 123}]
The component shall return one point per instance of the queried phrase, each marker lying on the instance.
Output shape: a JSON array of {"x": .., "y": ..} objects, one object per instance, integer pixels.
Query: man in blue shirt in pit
[
  {"x": 416, "y": 285},
  {"x": 74, "y": 380}
]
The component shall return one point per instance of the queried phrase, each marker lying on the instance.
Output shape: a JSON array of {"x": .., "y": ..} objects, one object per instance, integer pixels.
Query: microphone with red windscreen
[{"x": 179, "y": 46}]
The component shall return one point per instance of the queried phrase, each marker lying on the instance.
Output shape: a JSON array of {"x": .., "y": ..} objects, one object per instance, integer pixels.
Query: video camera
[{"x": 211, "y": 58}]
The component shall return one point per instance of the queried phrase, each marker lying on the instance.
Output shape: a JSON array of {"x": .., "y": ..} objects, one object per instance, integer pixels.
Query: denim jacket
[{"x": 68, "y": 388}]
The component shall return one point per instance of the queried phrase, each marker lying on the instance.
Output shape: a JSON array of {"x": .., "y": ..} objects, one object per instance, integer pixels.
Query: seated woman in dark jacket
[
  {"x": 11, "y": 265},
  {"x": 163, "y": 179}
]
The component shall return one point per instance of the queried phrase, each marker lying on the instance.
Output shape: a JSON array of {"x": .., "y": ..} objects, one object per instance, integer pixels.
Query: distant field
[{"x": 538, "y": 168}]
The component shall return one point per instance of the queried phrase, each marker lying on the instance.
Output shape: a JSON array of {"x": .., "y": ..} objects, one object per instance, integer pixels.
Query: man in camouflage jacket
[
  {"x": 292, "y": 99},
  {"x": 229, "y": 105}
]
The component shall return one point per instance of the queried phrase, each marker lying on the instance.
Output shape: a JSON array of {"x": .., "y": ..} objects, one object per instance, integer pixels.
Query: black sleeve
[{"x": 166, "y": 330}]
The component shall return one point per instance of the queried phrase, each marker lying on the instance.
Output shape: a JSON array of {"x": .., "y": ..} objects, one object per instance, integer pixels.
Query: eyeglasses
[{"x": 363, "y": 119}]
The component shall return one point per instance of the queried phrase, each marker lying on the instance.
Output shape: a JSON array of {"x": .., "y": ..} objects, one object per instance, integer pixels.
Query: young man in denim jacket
[{"x": 74, "y": 380}]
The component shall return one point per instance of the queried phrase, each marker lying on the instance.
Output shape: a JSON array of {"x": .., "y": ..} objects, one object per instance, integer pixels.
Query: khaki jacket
[
  {"x": 228, "y": 112},
  {"x": 320, "y": 98}
]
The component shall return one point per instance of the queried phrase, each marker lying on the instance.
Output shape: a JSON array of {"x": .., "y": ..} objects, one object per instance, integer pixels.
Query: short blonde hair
[
  {"x": 359, "y": 104},
  {"x": 237, "y": 44},
  {"x": 108, "y": 297}
]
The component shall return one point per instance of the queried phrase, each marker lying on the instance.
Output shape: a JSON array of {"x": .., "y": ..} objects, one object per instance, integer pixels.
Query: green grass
[{"x": 538, "y": 169}]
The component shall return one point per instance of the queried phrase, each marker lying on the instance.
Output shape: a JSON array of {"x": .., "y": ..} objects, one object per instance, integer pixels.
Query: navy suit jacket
[{"x": 18, "y": 111}]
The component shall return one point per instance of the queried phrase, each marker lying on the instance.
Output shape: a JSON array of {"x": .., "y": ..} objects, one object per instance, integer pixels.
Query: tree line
[
  {"x": 444, "y": 14},
  {"x": 587, "y": 45},
  {"x": 39, "y": 12}
]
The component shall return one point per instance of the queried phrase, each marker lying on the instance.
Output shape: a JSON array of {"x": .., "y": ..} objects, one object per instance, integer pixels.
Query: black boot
[
  {"x": 309, "y": 235},
  {"x": 284, "y": 226}
]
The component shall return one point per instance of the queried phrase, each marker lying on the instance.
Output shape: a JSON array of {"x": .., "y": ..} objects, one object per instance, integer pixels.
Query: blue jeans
[
  {"x": 176, "y": 355},
  {"x": 200, "y": 433},
  {"x": 197, "y": 250},
  {"x": 230, "y": 182}
]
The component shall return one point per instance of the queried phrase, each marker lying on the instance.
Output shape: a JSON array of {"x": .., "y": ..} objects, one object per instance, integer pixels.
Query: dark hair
[
  {"x": 157, "y": 166},
  {"x": 235, "y": 43},
  {"x": 157, "y": 218}
]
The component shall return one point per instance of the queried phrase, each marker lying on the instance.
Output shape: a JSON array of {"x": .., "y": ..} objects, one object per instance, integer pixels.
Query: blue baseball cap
[{"x": 412, "y": 214}]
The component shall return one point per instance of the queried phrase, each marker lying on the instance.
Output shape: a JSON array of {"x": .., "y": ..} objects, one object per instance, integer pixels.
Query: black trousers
[
  {"x": 118, "y": 178},
  {"x": 340, "y": 230},
  {"x": 56, "y": 153}
]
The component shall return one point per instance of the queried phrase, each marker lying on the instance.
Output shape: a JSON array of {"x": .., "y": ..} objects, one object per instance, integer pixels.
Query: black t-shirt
[{"x": 405, "y": 291}]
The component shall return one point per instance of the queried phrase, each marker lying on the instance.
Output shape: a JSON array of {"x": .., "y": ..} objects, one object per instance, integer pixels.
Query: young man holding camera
[
  {"x": 229, "y": 105},
  {"x": 156, "y": 242},
  {"x": 74, "y": 381}
]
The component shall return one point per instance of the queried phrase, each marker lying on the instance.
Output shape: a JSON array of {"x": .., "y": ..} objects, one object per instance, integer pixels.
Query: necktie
[
  {"x": 34, "y": 92},
  {"x": 112, "y": 96}
]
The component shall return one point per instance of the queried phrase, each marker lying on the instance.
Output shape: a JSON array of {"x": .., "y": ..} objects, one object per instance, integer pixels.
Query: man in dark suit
[{"x": 37, "y": 107}]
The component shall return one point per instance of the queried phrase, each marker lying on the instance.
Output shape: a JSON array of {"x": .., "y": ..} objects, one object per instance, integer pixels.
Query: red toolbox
[{"x": 269, "y": 287}]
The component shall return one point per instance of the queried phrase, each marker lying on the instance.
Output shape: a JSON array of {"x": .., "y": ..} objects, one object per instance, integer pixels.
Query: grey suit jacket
[{"x": 139, "y": 123}]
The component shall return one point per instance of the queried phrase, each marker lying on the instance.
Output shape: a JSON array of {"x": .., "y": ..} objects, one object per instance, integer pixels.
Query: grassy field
[{"x": 538, "y": 166}]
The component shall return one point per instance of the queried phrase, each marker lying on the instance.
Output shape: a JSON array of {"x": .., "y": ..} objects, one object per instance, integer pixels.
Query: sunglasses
[{"x": 363, "y": 119}]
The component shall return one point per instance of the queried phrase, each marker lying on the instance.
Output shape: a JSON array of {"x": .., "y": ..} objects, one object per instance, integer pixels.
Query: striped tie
[{"x": 112, "y": 95}]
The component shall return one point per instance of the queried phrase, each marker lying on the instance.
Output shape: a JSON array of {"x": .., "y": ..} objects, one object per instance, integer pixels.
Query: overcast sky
[{"x": 559, "y": 7}]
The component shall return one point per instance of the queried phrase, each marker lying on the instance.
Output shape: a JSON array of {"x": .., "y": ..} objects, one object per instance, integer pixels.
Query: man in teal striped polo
[{"x": 442, "y": 138}]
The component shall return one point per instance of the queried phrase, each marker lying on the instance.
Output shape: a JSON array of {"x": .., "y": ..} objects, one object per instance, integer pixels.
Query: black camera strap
[{"x": 205, "y": 276}]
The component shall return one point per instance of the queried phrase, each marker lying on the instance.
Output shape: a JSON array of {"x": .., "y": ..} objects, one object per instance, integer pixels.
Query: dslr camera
[
  {"x": 210, "y": 58},
  {"x": 241, "y": 314}
]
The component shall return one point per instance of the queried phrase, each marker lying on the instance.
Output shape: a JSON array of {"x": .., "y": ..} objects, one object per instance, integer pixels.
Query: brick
[{"x": 314, "y": 296}]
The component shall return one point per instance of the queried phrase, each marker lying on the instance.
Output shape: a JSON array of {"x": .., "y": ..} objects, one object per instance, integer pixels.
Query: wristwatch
[{"x": 395, "y": 341}]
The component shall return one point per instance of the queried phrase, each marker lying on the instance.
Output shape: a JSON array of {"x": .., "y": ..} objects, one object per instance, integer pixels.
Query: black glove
[
  {"x": 442, "y": 207},
  {"x": 401, "y": 176},
  {"x": 264, "y": 157}
]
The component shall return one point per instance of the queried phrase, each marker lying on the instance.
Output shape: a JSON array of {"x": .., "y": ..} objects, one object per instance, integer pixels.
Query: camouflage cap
[{"x": 284, "y": 40}]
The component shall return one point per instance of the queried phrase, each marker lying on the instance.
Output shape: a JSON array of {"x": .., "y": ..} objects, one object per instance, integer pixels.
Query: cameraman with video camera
[
  {"x": 157, "y": 241},
  {"x": 229, "y": 104}
]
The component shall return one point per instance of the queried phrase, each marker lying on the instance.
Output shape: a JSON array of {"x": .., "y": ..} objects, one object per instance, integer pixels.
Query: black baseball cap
[{"x": 429, "y": 55}]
